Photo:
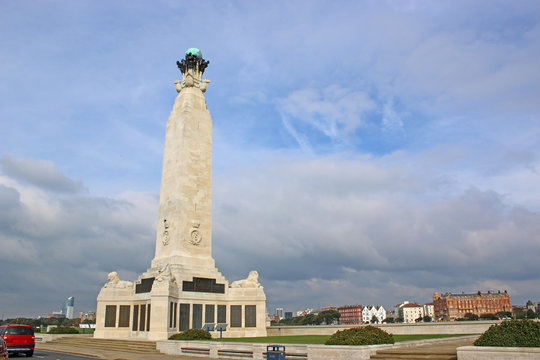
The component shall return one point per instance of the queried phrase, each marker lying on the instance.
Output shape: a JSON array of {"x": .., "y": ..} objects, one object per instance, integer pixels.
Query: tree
[
  {"x": 374, "y": 319},
  {"x": 399, "y": 319},
  {"x": 471, "y": 316},
  {"x": 309, "y": 319},
  {"x": 519, "y": 313},
  {"x": 489, "y": 317},
  {"x": 504, "y": 314},
  {"x": 388, "y": 320},
  {"x": 427, "y": 318},
  {"x": 419, "y": 319},
  {"x": 328, "y": 317},
  {"x": 531, "y": 314}
]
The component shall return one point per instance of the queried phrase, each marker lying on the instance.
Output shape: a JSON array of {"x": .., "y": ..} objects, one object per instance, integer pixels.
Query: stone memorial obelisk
[{"x": 183, "y": 289}]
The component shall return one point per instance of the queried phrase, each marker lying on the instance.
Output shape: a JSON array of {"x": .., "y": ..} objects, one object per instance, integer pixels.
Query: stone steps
[
  {"x": 389, "y": 355},
  {"x": 446, "y": 351},
  {"x": 107, "y": 344}
]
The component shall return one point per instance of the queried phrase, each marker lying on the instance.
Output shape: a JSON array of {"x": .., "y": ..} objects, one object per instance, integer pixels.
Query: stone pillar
[{"x": 184, "y": 230}]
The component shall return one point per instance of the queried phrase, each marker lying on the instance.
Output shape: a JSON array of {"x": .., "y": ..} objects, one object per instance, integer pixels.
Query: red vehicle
[{"x": 19, "y": 338}]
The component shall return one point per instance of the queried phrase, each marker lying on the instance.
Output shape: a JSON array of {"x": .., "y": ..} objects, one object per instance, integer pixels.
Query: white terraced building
[{"x": 368, "y": 312}]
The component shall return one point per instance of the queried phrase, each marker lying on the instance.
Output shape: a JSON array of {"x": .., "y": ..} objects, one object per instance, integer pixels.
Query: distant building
[
  {"x": 279, "y": 313},
  {"x": 91, "y": 316},
  {"x": 304, "y": 312},
  {"x": 534, "y": 306},
  {"x": 397, "y": 309},
  {"x": 56, "y": 314},
  {"x": 288, "y": 314},
  {"x": 410, "y": 312},
  {"x": 319, "y": 310},
  {"x": 429, "y": 310},
  {"x": 450, "y": 306},
  {"x": 369, "y": 311},
  {"x": 67, "y": 309},
  {"x": 350, "y": 314}
]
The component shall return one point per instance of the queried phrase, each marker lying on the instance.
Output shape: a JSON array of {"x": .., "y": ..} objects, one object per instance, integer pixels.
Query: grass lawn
[{"x": 321, "y": 339}]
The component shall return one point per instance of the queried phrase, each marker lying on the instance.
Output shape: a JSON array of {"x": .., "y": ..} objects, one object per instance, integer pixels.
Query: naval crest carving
[
  {"x": 195, "y": 236},
  {"x": 166, "y": 238}
]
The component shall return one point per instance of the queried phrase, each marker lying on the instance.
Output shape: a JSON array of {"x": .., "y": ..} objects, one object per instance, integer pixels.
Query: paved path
[{"x": 445, "y": 351}]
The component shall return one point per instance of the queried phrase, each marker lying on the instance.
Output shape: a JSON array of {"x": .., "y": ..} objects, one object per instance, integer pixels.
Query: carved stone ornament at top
[
  {"x": 192, "y": 62},
  {"x": 195, "y": 235},
  {"x": 192, "y": 68},
  {"x": 166, "y": 236}
]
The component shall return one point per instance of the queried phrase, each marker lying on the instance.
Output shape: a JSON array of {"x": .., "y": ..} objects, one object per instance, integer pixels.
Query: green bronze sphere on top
[{"x": 195, "y": 52}]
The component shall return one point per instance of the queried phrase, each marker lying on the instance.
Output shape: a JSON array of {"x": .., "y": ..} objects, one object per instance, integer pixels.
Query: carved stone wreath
[{"x": 196, "y": 237}]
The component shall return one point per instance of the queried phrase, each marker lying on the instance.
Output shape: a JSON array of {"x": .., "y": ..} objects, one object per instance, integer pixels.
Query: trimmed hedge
[
  {"x": 367, "y": 335},
  {"x": 512, "y": 333},
  {"x": 63, "y": 330},
  {"x": 192, "y": 334}
]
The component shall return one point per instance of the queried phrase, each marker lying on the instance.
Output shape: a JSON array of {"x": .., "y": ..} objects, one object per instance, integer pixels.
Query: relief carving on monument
[
  {"x": 165, "y": 274},
  {"x": 113, "y": 281},
  {"x": 165, "y": 233},
  {"x": 195, "y": 236},
  {"x": 252, "y": 281}
]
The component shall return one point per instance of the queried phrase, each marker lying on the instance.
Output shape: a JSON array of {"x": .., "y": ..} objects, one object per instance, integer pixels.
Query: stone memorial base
[{"x": 158, "y": 306}]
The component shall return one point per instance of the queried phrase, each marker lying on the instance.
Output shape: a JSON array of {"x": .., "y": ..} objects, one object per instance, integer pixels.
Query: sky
[{"x": 364, "y": 152}]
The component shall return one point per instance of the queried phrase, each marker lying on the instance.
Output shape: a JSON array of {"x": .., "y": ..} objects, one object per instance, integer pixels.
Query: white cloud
[{"x": 333, "y": 111}]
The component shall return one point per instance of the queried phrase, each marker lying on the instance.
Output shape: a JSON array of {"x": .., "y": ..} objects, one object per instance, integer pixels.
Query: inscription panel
[
  {"x": 184, "y": 317},
  {"x": 142, "y": 318},
  {"x": 175, "y": 308},
  {"x": 145, "y": 286},
  {"x": 123, "y": 320},
  {"x": 110, "y": 315},
  {"x": 251, "y": 315},
  {"x": 148, "y": 317},
  {"x": 203, "y": 285},
  {"x": 236, "y": 315},
  {"x": 135, "y": 325},
  {"x": 197, "y": 316},
  {"x": 222, "y": 314},
  {"x": 209, "y": 313},
  {"x": 171, "y": 307}
]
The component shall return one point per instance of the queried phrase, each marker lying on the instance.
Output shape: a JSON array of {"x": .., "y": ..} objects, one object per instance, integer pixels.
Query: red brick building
[
  {"x": 350, "y": 314},
  {"x": 450, "y": 306}
]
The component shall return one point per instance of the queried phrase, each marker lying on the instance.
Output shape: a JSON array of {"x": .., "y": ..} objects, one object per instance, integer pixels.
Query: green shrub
[
  {"x": 471, "y": 316},
  {"x": 63, "y": 330},
  {"x": 512, "y": 333},
  {"x": 368, "y": 335},
  {"x": 192, "y": 334}
]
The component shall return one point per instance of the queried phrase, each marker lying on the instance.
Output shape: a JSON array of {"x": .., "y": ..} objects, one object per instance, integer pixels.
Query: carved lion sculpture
[
  {"x": 115, "y": 282},
  {"x": 252, "y": 281}
]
